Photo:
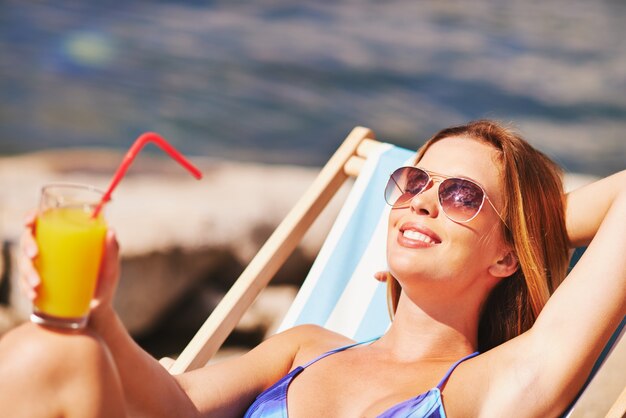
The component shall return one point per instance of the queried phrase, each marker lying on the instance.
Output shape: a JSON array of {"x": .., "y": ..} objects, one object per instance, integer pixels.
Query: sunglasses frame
[{"x": 432, "y": 177}]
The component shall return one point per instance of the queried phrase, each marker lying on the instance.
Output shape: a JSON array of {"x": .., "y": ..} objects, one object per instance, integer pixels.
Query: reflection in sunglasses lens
[
  {"x": 404, "y": 184},
  {"x": 460, "y": 199},
  {"x": 415, "y": 181}
]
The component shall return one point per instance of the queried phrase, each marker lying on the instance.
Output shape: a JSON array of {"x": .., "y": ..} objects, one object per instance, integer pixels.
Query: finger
[
  {"x": 29, "y": 279},
  {"x": 111, "y": 241},
  {"x": 28, "y": 271},
  {"x": 30, "y": 218},
  {"x": 381, "y": 276},
  {"x": 111, "y": 248},
  {"x": 30, "y": 294},
  {"x": 27, "y": 291},
  {"x": 109, "y": 268},
  {"x": 29, "y": 245}
]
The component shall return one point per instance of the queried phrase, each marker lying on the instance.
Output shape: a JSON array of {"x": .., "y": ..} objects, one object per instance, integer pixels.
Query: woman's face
[{"x": 423, "y": 245}]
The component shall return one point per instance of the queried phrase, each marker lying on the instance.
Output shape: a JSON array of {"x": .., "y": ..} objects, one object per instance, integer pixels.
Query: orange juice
[{"x": 70, "y": 250}]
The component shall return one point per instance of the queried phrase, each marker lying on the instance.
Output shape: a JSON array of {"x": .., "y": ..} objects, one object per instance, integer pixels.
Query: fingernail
[
  {"x": 31, "y": 251},
  {"x": 32, "y": 295},
  {"x": 33, "y": 279}
]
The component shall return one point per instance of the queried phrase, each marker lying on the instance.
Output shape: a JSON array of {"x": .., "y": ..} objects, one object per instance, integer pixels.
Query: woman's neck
[{"x": 434, "y": 330}]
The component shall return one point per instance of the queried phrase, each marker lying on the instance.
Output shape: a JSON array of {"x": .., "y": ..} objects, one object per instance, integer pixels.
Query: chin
[{"x": 408, "y": 270}]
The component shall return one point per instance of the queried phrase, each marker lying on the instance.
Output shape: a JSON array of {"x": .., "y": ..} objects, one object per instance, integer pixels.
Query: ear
[{"x": 505, "y": 266}]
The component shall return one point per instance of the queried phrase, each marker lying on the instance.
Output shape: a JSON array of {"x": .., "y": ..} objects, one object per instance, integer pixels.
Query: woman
[{"x": 477, "y": 241}]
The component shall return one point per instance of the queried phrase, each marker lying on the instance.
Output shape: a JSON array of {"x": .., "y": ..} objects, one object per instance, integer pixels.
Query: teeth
[{"x": 417, "y": 236}]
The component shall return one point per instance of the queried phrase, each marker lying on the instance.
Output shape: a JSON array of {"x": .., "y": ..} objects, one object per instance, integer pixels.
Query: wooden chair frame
[
  {"x": 618, "y": 410},
  {"x": 347, "y": 161}
]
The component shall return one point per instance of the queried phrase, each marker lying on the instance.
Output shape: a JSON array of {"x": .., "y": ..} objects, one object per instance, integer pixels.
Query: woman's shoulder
[{"x": 310, "y": 341}]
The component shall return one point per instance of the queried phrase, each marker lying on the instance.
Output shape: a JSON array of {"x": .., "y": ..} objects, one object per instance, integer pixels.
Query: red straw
[{"x": 130, "y": 157}]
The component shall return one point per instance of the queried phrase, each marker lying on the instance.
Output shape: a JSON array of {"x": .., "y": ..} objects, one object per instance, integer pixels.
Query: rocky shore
[{"x": 183, "y": 241}]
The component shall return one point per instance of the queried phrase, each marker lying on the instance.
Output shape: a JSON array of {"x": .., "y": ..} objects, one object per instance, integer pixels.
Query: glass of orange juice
[{"x": 70, "y": 244}]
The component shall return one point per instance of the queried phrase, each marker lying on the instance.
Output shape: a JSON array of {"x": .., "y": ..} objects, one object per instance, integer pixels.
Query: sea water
[{"x": 283, "y": 82}]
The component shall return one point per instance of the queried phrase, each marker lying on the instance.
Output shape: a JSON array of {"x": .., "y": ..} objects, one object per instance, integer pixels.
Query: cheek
[
  {"x": 490, "y": 243},
  {"x": 394, "y": 215}
]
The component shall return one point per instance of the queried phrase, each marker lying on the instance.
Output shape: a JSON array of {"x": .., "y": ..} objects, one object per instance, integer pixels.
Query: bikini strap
[
  {"x": 451, "y": 369},
  {"x": 336, "y": 350}
]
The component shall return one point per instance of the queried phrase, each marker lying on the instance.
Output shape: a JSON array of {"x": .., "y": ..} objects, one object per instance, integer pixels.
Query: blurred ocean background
[{"x": 281, "y": 81}]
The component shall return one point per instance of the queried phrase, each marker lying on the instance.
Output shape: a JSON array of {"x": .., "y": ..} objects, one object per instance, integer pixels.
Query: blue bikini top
[{"x": 272, "y": 403}]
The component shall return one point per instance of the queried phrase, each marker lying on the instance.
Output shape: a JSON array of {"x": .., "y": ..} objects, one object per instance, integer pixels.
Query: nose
[{"x": 425, "y": 203}]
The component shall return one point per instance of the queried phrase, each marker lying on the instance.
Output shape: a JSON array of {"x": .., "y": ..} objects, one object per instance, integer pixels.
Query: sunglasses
[{"x": 460, "y": 199}]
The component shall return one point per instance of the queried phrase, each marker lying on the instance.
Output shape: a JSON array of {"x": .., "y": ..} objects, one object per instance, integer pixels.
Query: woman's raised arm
[
  {"x": 586, "y": 207},
  {"x": 546, "y": 366}
]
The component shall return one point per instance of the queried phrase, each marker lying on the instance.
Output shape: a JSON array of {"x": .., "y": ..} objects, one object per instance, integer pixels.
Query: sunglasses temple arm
[{"x": 496, "y": 211}]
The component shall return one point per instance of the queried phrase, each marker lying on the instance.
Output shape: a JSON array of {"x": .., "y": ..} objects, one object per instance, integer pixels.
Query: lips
[{"x": 417, "y": 236}]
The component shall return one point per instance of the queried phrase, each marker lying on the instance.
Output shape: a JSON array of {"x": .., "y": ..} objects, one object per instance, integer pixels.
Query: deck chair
[{"x": 339, "y": 292}]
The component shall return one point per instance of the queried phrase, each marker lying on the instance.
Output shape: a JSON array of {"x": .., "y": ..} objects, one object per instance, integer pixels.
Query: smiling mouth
[
  {"x": 415, "y": 236},
  {"x": 418, "y": 236}
]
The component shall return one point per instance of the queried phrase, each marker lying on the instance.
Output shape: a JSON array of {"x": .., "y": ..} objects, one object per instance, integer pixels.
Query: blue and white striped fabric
[{"x": 340, "y": 292}]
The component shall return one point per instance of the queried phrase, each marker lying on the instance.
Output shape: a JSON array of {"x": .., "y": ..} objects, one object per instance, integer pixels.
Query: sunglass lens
[
  {"x": 404, "y": 184},
  {"x": 460, "y": 199}
]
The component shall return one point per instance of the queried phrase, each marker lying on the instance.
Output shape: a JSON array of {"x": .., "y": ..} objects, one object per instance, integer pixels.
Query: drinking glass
[{"x": 71, "y": 242}]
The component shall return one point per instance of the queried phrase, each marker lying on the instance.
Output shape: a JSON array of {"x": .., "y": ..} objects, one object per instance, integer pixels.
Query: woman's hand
[
  {"x": 29, "y": 277},
  {"x": 107, "y": 279},
  {"x": 109, "y": 273},
  {"x": 381, "y": 276}
]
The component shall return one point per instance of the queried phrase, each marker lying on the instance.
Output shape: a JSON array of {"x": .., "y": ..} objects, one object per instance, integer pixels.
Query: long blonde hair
[{"x": 534, "y": 212}]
